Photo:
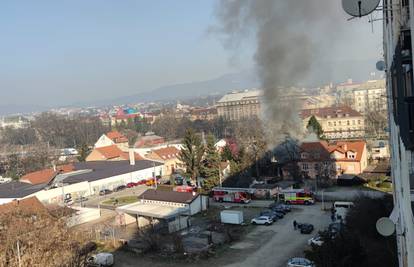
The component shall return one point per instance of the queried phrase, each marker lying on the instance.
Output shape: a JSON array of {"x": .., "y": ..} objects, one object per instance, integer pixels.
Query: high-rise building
[{"x": 398, "y": 32}]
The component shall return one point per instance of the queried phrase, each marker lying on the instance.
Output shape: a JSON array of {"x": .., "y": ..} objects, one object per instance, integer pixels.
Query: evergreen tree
[
  {"x": 227, "y": 154},
  {"x": 83, "y": 152},
  {"x": 191, "y": 154},
  {"x": 210, "y": 168},
  {"x": 315, "y": 126}
]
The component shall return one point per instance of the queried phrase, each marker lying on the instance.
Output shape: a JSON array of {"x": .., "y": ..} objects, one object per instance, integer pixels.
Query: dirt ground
[{"x": 262, "y": 246}]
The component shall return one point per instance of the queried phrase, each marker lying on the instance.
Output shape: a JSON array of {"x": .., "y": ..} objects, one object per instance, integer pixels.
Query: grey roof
[
  {"x": 106, "y": 169},
  {"x": 241, "y": 96},
  {"x": 18, "y": 189}
]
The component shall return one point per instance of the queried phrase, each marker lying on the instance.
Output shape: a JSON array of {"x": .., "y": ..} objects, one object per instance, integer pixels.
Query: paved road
[
  {"x": 283, "y": 242},
  {"x": 94, "y": 201}
]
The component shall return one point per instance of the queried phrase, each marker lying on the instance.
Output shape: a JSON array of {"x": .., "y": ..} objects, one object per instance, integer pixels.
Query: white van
[{"x": 341, "y": 209}]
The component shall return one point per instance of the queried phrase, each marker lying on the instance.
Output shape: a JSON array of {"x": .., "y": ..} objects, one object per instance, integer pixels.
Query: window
[{"x": 305, "y": 166}]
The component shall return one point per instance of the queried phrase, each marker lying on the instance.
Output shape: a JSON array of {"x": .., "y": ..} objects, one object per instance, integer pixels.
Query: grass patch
[{"x": 121, "y": 200}]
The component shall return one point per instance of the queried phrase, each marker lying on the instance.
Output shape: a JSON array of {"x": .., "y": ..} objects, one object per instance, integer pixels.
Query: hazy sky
[{"x": 56, "y": 52}]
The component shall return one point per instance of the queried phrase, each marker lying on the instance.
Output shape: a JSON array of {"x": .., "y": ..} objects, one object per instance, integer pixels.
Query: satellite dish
[
  {"x": 359, "y": 8},
  {"x": 385, "y": 226},
  {"x": 380, "y": 65}
]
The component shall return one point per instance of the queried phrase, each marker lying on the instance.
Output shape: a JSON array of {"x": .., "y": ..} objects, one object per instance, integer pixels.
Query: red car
[{"x": 129, "y": 185}]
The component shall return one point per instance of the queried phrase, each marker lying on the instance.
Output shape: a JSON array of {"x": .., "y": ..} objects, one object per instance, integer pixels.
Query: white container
[
  {"x": 102, "y": 260},
  {"x": 231, "y": 216}
]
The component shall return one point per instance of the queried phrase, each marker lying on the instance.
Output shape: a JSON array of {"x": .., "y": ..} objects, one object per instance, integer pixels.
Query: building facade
[
  {"x": 337, "y": 122},
  {"x": 240, "y": 105},
  {"x": 398, "y": 25}
]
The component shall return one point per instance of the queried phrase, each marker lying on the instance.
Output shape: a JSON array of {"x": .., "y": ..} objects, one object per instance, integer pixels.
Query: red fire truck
[
  {"x": 235, "y": 195},
  {"x": 297, "y": 196}
]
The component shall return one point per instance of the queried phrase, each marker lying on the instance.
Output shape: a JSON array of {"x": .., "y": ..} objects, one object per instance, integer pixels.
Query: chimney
[
  {"x": 131, "y": 157},
  {"x": 54, "y": 167},
  {"x": 345, "y": 147}
]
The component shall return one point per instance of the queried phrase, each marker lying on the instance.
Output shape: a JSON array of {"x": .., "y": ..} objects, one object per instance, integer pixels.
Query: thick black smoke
[{"x": 292, "y": 36}]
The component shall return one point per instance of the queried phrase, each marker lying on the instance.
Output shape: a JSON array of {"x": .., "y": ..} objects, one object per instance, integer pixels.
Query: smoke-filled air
[{"x": 291, "y": 37}]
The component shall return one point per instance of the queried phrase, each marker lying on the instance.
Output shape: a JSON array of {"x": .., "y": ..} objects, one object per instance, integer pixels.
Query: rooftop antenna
[{"x": 360, "y": 8}]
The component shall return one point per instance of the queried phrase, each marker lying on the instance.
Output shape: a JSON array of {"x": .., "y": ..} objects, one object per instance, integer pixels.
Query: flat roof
[
  {"x": 107, "y": 169},
  {"x": 17, "y": 189},
  {"x": 169, "y": 196},
  {"x": 152, "y": 210}
]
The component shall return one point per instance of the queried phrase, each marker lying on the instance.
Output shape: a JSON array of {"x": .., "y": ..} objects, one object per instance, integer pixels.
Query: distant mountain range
[{"x": 334, "y": 71}]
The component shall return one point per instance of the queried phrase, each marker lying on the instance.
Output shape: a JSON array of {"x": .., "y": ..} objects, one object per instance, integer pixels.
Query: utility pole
[{"x": 18, "y": 254}]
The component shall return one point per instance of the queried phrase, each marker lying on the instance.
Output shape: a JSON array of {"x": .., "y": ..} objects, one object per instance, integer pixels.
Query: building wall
[
  {"x": 237, "y": 110},
  {"x": 401, "y": 157},
  {"x": 199, "y": 204},
  {"x": 104, "y": 141},
  {"x": 341, "y": 127}
]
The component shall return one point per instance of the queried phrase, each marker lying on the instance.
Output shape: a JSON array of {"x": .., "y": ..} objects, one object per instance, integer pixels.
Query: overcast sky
[{"x": 61, "y": 52}]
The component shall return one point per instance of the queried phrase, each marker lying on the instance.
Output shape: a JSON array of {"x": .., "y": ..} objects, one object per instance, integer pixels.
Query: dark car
[
  {"x": 279, "y": 210},
  {"x": 305, "y": 228},
  {"x": 81, "y": 199},
  {"x": 285, "y": 207},
  {"x": 269, "y": 214},
  {"x": 120, "y": 188},
  {"x": 104, "y": 192}
]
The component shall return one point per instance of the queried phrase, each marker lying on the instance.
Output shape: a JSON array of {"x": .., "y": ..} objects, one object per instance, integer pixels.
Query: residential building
[
  {"x": 164, "y": 210},
  {"x": 398, "y": 25},
  {"x": 207, "y": 114},
  {"x": 169, "y": 156},
  {"x": 370, "y": 97},
  {"x": 149, "y": 140},
  {"x": 86, "y": 179},
  {"x": 113, "y": 138},
  {"x": 110, "y": 153},
  {"x": 240, "y": 105},
  {"x": 16, "y": 122},
  {"x": 319, "y": 101},
  {"x": 332, "y": 159},
  {"x": 46, "y": 175},
  {"x": 340, "y": 122},
  {"x": 124, "y": 115}
]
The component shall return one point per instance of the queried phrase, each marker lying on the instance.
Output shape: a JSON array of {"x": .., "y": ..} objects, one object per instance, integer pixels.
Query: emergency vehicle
[
  {"x": 297, "y": 196},
  {"x": 235, "y": 195}
]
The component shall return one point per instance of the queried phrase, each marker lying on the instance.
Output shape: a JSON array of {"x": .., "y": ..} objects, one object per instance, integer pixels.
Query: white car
[
  {"x": 101, "y": 260},
  {"x": 264, "y": 220},
  {"x": 317, "y": 241},
  {"x": 300, "y": 262}
]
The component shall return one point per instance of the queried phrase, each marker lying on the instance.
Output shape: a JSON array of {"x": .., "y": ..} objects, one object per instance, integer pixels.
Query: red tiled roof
[
  {"x": 46, "y": 175},
  {"x": 110, "y": 152},
  {"x": 333, "y": 112},
  {"x": 167, "y": 152},
  {"x": 117, "y": 137},
  {"x": 31, "y": 204},
  {"x": 325, "y": 149},
  {"x": 113, "y": 152}
]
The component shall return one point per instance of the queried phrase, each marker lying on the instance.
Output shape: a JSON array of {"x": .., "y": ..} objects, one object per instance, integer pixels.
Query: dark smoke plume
[{"x": 291, "y": 37}]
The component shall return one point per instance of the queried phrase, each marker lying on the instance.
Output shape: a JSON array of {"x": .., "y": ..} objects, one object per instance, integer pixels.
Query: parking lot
[{"x": 263, "y": 245}]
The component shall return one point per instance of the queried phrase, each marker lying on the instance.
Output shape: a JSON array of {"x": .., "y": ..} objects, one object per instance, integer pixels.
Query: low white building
[
  {"x": 87, "y": 178},
  {"x": 163, "y": 210}
]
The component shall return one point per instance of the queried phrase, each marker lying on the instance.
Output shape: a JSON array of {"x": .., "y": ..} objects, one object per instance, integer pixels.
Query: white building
[
  {"x": 163, "y": 209},
  {"x": 87, "y": 179},
  {"x": 398, "y": 30}
]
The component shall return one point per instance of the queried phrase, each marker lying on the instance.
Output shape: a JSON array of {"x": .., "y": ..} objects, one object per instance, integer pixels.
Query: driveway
[
  {"x": 281, "y": 241},
  {"x": 94, "y": 201},
  {"x": 263, "y": 246}
]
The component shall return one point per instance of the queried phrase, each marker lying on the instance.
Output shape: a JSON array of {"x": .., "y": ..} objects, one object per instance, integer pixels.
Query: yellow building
[{"x": 337, "y": 122}]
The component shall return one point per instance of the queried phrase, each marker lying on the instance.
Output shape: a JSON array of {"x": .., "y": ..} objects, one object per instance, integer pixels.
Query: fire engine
[
  {"x": 297, "y": 196},
  {"x": 235, "y": 195}
]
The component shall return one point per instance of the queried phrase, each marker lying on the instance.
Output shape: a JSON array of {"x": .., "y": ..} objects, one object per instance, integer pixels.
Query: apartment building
[
  {"x": 240, "y": 105},
  {"x": 398, "y": 27},
  {"x": 337, "y": 122}
]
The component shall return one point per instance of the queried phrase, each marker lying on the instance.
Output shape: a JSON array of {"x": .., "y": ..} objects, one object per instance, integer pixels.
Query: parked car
[
  {"x": 104, "y": 192},
  {"x": 120, "y": 188},
  {"x": 101, "y": 260},
  {"x": 129, "y": 185},
  {"x": 270, "y": 214},
  {"x": 305, "y": 228},
  {"x": 279, "y": 210},
  {"x": 315, "y": 241},
  {"x": 285, "y": 207},
  {"x": 300, "y": 262},
  {"x": 264, "y": 220}
]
